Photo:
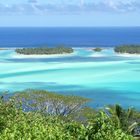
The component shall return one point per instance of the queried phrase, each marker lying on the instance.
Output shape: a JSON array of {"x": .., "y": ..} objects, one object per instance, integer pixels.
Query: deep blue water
[{"x": 72, "y": 37}]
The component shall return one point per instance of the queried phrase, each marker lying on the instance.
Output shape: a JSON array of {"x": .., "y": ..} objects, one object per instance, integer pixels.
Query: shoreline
[
  {"x": 127, "y": 55},
  {"x": 67, "y": 54},
  {"x": 42, "y": 55}
]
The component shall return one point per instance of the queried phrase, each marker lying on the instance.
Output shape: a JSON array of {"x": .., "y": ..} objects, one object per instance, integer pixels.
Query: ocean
[
  {"x": 104, "y": 77},
  {"x": 70, "y": 37}
]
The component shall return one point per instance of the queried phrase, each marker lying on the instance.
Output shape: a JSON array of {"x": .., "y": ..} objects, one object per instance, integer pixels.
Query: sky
[{"x": 69, "y": 13}]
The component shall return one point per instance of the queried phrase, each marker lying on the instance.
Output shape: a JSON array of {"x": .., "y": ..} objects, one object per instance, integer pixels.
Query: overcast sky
[{"x": 69, "y": 12}]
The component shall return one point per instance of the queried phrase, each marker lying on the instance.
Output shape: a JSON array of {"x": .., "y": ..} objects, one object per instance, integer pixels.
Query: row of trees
[
  {"x": 131, "y": 49},
  {"x": 44, "y": 50},
  {"x": 41, "y": 115}
]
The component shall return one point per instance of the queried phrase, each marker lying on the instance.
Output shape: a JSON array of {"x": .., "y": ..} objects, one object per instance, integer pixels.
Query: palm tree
[{"x": 125, "y": 119}]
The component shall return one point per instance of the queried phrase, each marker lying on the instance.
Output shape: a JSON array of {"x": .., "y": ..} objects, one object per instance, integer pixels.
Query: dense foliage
[
  {"x": 44, "y": 50},
  {"x": 131, "y": 49},
  {"x": 97, "y": 49},
  {"x": 40, "y": 115}
]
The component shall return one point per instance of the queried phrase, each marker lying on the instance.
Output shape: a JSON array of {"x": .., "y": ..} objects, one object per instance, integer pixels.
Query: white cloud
[{"x": 34, "y": 7}]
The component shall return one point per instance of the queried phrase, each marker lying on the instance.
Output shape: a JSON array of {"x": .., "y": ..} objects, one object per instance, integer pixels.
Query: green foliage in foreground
[
  {"x": 97, "y": 49},
  {"x": 45, "y": 50},
  {"x": 131, "y": 49},
  {"x": 36, "y": 123}
]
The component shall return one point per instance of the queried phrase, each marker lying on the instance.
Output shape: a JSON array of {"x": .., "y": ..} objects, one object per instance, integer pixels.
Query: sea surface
[
  {"x": 104, "y": 77},
  {"x": 71, "y": 37}
]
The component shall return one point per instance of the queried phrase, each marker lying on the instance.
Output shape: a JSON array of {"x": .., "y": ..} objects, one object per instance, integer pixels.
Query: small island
[
  {"x": 1, "y": 49},
  {"x": 44, "y": 51},
  {"x": 97, "y": 49},
  {"x": 128, "y": 49}
]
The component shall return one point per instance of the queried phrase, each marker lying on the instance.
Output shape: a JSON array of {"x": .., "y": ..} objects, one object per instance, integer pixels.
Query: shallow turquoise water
[{"x": 105, "y": 77}]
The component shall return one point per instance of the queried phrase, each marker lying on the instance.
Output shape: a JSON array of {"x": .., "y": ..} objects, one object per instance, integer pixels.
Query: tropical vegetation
[
  {"x": 131, "y": 49},
  {"x": 42, "y": 115},
  {"x": 44, "y": 50},
  {"x": 3, "y": 49},
  {"x": 97, "y": 49}
]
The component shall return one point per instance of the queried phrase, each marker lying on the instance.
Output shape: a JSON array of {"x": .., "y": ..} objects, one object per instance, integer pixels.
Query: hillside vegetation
[{"x": 42, "y": 115}]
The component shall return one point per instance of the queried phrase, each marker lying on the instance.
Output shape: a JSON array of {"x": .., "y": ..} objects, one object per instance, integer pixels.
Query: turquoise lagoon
[{"x": 104, "y": 77}]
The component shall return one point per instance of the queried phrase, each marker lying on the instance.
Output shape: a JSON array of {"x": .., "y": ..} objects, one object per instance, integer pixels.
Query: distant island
[
  {"x": 130, "y": 49},
  {"x": 97, "y": 49},
  {"x": 3, "y": 49},
  {"x": 44, "y": 51}
]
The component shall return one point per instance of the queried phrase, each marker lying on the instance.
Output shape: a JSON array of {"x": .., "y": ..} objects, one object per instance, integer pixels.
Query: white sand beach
[
  {"x": 127, "y": 55},
  {"x": 41, "y": 56}
]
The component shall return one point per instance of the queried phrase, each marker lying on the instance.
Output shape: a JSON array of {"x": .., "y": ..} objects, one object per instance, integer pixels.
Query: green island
[
  {"x": 43, "y": 115},
  {"x": 44, "y": 51},
  {"x": 97, "y": 49},
  {"x": 130, "y": 49},
  {"x": 3, "y": 49}
]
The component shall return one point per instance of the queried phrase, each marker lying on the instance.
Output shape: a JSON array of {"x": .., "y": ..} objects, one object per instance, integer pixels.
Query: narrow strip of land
[{"x": 44, "y": 51}]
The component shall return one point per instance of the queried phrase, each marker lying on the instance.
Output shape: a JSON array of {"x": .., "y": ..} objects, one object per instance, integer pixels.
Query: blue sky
[{"x": 69, "y": 12}]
